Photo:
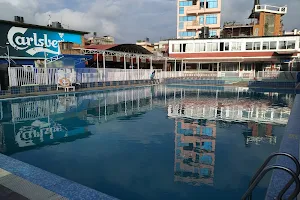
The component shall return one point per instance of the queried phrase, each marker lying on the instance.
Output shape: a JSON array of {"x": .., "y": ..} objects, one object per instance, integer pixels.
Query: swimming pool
[{"x": 159, "y": 142}]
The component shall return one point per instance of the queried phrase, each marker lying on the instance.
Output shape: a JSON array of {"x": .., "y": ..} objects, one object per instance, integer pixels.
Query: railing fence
[{"x": 21, "y": 76}]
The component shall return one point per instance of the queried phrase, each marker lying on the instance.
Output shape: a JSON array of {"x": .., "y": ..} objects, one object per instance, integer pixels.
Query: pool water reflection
[{"x": 158, "y": 142}]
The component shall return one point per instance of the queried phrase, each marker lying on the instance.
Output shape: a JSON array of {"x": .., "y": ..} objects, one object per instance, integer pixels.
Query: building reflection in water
[
  {"x": 195, "y": 144},
  {"x": 197, "y": 118},
  {"x": 259, "y": 134}
]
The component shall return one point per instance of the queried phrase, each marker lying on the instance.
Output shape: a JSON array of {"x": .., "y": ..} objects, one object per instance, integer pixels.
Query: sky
[{"x": 128, "y": 20}]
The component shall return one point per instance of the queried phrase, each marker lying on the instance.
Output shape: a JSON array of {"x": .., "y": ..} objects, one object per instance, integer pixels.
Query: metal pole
[
  {"x": 8, "y": 54},
  {"x": 104, "y": 73},
  {"x": 166, "y": 63},
  {"x": 175, "y": 65},
  {"x": 138, "y": 66},
  {"x": 131, "y": 60},
  {"x": 181, "y": 65},
  {"x": 185, "y": 66},
  {"x": 45, "y": 64},
  {"x": 151, "y": 67},
  {"x": 125, "y": 67},
  {"x": 8, "y": 60},
  {"x": 97, "y": 61}
]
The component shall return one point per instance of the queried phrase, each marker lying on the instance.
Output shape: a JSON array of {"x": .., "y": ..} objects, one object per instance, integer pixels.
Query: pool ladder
[{"x": 263, "y": 170}]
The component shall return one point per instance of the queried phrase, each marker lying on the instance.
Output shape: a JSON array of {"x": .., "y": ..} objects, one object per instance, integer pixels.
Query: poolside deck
[{"x": 20, "y": 181}]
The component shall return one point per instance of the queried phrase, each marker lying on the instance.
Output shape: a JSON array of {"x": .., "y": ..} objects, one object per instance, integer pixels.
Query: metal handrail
[
  {"x": 265, "y": 164},
  {"x": 263, "y": 173}
]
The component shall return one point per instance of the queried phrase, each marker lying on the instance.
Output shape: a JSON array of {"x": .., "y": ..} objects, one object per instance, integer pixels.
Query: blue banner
[{"x": 32, "y": 42}]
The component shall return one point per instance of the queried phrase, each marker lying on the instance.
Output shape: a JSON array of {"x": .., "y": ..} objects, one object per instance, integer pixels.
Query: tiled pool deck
[
  {"x": 290, "y": 144},
  {"x": 22, "y": 180}
]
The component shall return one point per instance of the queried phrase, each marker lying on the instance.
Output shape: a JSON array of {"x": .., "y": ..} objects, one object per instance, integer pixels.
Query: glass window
[
  {"x": 212, "y": 46},
  {"x": 176, "y": 47},
  {"x": 181, "y": 10},
  {"x": 226, "y": 46},
  {"x": 266, "y": 45},
  {"x": 187, "y": 34},
  {"x": 291, "y": 44},
  {"x": 282, "y": 45},
  {"x": 256, "y": 46},
  {"x": 212, "y": 33},
  {"x": 273, "y": 45},
  {"x": 236, "y": 46},
  {"x": 249, "y": 45},
  {"x": 199, "y": 47},
  {"x": 201, "y": 19},
  {"x": 185, "y": 3},
  {"x": 211, "y": 19},
  {"x": 189, "y": 48},
  {"x": 201, "y": 4},
  {"x": 187, "y": 18},
  {"x": 212, "y": 3},
  {"x": 181, "y": 25}
]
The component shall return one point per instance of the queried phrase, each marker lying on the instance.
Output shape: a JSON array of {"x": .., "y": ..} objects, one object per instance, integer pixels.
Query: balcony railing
[{"x": 271, "y": 9}]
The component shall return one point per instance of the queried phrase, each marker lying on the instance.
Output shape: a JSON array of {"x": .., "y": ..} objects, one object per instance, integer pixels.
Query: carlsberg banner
[{"x": 29, "y": 42}]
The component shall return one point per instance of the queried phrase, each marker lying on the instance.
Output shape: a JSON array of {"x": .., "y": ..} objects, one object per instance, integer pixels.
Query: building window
[
  {"x": 212, "y": 46},
  {"x": 185, "y": 3},
  {"x": 176, "y": 47},
  {"x": 236, "y": 46},
  {"x": 226, "y": 46},
  {"x": 211, "y": 19},
  {"x": 199, "y": 47},
  {"x": 189, "y": 48},
  {"x": 266, "y": 46},
  {"x": 282, "y": 44},
  {"x": 273, "y": 45},
  {"x": 287, "y": 44},
  {"x": 187, "y": 34},
  {"x": 212, "y": 33},
  {"x": 256, "y": 46},
  {"x": 201, "y": 20},
  {"x": 187, "y": 18},
  {"x": 291, "y": 44},
  {"x": 181, "y": 10},
  {"x": 181, "y": 25},
  {"x": 249, "y": 46},
  {"x": 201, "y": 4},
  {"x": 211, "y": 3}
]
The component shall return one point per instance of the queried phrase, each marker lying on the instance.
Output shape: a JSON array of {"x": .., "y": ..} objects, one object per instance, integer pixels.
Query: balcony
[
  {"x": 192, "y": 10},
  {"x": 271, "y": 9}
]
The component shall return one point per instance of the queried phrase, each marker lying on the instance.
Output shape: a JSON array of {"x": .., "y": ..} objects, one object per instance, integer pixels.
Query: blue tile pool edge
[
  {"x": 289, "y": 144},
  {"x": 49, "y": 181}
]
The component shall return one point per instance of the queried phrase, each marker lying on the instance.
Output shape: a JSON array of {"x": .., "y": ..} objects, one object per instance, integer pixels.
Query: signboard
[{"x": 33, "y": 42}]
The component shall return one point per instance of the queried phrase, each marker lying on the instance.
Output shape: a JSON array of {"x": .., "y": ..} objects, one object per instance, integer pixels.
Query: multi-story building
[
  {"x": 192, "y": 15},
  {"x": 266, "y": 20}
]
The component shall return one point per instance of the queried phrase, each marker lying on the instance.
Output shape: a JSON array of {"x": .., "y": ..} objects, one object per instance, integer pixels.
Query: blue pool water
[{"x": 157, "y": 142}]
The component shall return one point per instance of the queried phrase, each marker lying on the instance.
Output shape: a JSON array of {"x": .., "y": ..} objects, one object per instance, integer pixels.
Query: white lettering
[{"x": 21, "y": 42}]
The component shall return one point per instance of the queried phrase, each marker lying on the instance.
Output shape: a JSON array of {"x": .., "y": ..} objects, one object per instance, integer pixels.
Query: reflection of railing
[
  {"x": 230, "y": 113},
  {"x": 279, "y": 75},
  {"x": 258, "y": 140}
]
